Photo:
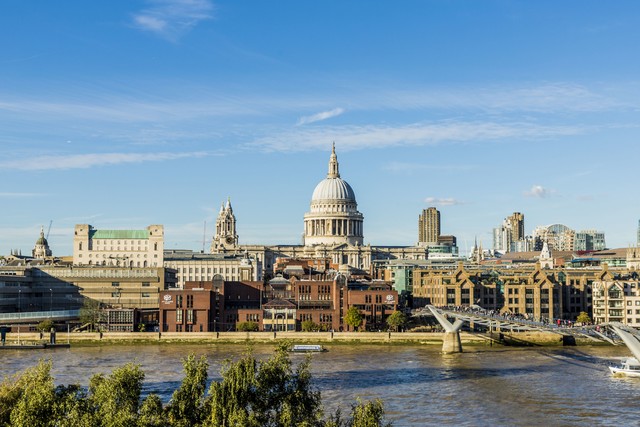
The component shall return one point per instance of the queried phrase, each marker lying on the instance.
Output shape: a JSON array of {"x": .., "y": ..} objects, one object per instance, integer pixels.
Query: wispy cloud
[
  {"x": 170, "y": 19},
  {"x": 537, "y": 98},
  {"x": 538, "y": 191},
  {"x": 409, "y": 167},
  {"x": 83, "y": 161},
  {"x": 21, "y": 194},
  {"x": 320, "y": 116},
  {"x": 447, "y": 201},
  {"x": 417, "y": 134}
]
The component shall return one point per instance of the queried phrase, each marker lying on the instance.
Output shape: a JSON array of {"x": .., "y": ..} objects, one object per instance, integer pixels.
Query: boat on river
[
  {"x": 630, "y": 367},
  {"x": 307, "y": 348},
  {"x": 33, "y": 346}
]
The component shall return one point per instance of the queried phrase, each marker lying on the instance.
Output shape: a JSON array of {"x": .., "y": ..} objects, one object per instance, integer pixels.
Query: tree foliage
[
  {"x": 353, "y": 317},
  {"x": 396, "y": 320},
  {"x": 91, "y": 313},
  {"x": 45, "y": 325},
  {"x": 583, "y": 318},
  {"x": 251, "y": 393},
  {"x": 248, "y": 327},
  {"x": 310, "y": 326}
]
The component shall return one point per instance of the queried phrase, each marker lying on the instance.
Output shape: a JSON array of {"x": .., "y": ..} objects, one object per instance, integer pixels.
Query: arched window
[{"x": 80, "y": 246}]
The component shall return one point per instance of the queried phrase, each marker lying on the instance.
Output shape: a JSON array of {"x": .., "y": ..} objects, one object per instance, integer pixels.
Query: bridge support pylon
[{"x": 451, "y": 340}]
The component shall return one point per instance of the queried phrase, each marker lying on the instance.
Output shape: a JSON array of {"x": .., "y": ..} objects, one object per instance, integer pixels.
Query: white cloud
[
  {"x": 320, "y": 116},
  {"x": 170, "y": 19},
  {"x": 447, "y": 201},
  {"x": 538, "y": 191},
  {"x": 417, "y": 134},
  {"x": 83, "y": 161}
]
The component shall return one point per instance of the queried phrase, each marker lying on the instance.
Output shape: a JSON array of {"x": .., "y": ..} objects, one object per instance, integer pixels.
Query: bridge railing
[{"x": 39, "y": 315}]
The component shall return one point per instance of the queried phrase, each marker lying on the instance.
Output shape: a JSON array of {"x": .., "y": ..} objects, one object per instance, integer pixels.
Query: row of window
[
  {"x": 190, "y": 315},
  {"x": 216, "y": 270}
]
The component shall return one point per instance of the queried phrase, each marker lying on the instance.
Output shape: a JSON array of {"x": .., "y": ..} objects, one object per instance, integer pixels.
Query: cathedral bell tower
[{"x": 226, "y": 237}]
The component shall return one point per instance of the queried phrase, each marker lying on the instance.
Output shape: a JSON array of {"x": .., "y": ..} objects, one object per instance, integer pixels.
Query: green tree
[
  {"x": 185, "y": 408},
  {"x": 309, "y": 326},
  {"x": 368, "y": 414},
  {"x": 152, "y": 413},
  {"x": 114, "y": 400},
  {"x": 396, "y": 320},
  {"x": 353, "y": 317},
  {"x": 583, "y": 318},
  {"x": 35, "y": 398},
  {"x": 248, "y": 327},
  {"x": 45, "y": 325},
  {"x": 91, "y": 313},
  {"x": 268, "y": 393}
]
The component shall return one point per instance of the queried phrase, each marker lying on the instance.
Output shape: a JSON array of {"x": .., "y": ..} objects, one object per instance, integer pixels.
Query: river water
[{"x": 419, "y": 385}]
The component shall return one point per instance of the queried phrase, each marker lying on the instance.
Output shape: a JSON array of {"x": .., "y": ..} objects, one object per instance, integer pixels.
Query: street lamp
[
  {"x": 50, "y": 300},
  {"x": 19, "y": 300}
]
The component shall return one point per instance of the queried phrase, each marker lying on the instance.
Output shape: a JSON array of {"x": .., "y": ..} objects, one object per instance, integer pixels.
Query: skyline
[{"x": 154, "y": 112}]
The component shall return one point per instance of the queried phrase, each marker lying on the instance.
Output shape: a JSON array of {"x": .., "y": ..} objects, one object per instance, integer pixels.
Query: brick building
[{"x": 278, "y": 305}]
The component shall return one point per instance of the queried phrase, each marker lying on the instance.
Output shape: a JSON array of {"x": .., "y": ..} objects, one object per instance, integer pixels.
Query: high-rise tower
[{"x": 429, "y": 226}]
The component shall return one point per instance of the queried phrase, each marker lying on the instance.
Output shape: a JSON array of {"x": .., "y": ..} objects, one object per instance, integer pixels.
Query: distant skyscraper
[
  {"x": 589, "y": 240},
  {"x": 516, "y": 223},
  {"x": 429, "y": 226},
  {"x": 507, "y": 236}
]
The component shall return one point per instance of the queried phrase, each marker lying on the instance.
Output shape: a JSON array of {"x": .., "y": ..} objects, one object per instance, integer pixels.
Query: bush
[
  {"x": 248, "y": 327},
  {"x": 45, "y": 325}
]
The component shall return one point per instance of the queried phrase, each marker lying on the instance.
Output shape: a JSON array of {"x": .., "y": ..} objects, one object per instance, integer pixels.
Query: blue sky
[{"x": 123, "y": 114}]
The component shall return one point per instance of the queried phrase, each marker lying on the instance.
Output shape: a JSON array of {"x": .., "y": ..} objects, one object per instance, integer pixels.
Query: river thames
[{"x": 419, "y": 385}]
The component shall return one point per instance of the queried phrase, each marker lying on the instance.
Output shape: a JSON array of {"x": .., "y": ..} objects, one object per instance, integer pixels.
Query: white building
[{"x": 126, "y": 248}]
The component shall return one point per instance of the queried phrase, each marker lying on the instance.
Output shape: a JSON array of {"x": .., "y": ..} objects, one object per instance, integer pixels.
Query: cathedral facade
[{"x": 333, "y": 229}]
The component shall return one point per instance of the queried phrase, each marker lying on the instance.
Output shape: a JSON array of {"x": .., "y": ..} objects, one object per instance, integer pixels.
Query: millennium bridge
[{"x": 494, "y": 322}]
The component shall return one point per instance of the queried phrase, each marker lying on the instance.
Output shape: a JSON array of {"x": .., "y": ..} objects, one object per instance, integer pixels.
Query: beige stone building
[
  {"x": 529, "y": 290},
  {"x": 616, "y": 298},
  {"x": 120, "y": 248},
  {"x": 116, "y": 287},
  {"x": 196, "y": 267}
]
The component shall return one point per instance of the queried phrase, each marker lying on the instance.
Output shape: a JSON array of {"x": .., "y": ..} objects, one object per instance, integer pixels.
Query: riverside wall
[{"x": 427, "y": 338}]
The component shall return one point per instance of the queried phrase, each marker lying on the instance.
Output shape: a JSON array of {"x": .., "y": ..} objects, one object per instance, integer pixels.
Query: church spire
[{"x": 333, "y": 164}]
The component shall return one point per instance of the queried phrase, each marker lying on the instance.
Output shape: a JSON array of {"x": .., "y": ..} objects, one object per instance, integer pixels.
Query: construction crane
[{"x": 49, "y": 230}]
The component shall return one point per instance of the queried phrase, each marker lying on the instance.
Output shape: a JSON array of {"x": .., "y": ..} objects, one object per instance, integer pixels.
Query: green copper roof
[{"x": 119, "y": 234}]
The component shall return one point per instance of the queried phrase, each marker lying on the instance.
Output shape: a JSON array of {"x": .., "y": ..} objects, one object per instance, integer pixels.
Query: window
[
  {"x": 178, "y": 316},
  {"x": 189, "y": 301},
  {"x": 190, "y": 316},
  {"x": 115, "y": 283},
  {"x": 145, "y": 284},
  {"x": 179, "y": 301},
  {"x": 145, "y": 295}
]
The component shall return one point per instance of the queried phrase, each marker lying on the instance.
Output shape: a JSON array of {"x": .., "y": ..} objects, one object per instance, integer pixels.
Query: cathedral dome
[
  {"x": 333, "y": 217},
  {"x": 333, "y": 189}
]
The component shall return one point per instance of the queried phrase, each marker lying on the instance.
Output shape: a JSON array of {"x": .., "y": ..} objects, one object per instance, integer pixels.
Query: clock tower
[{"x": 226, "y": 237}]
